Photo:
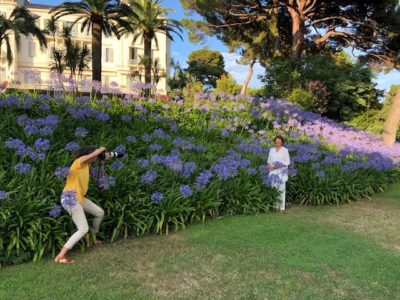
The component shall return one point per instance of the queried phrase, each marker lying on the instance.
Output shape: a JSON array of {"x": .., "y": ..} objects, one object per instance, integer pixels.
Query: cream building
[{"x": 120, "y": 57}]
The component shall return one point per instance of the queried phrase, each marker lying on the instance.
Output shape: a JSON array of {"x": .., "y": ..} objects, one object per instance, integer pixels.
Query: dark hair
[
  {"x": 84, "y": 150},
  {"x": 279, "y": 137}
]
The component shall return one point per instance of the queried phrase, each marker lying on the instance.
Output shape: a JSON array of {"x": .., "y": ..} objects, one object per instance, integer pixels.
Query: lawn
[{"x": 330, "y": 252}]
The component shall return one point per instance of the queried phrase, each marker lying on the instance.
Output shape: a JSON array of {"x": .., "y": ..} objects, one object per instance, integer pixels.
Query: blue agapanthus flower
[
  {"x": 142, "y": 163},
  {"x": 156, "y": 197},
  {"x": 72, "y": 146},
  {"x": 117, "y": 165},
  {"x": 68, "y": 199},
  {"x": 22, "y": 168},
  {"x": 55, "y": 211},
  {"x": 4, "y": 195},
  {"x": 106, "y": 182},
  {"x": 148, "y": 177},
  {"x": 81, "y": 132},
  {"x": 202, "y": 180},
  {"x": 186, "y": 191},
  {"x": 62, "y": 172},
  {"x": 42, "y": 144},
  {"x": 130, "y": 139},
  {"x": 120, "y": 148}
]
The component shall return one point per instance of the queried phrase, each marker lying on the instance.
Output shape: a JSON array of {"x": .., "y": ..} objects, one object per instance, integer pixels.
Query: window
[
  {"x": 109, "y": 55},
  {"x": 31, "y": 48},
  {"x": 132, "y": 55}
]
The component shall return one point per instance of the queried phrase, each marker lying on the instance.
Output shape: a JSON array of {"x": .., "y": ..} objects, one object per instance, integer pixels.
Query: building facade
[{"x": 120, "y": 58}]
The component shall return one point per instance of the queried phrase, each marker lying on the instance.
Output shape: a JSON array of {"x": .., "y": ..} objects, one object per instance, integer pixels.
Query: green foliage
[
  {"x": 374, "y": 119},
  {"x": 227, "y": 84},
  {"x": 335, "y": 187},
  {"x": 302, "y": 97},
  {"x": 31, "y": 233},
  {"x": 20, "y": 22},
  {"x": 349, "y": 84},
  {"x": 206, "y": 66}
]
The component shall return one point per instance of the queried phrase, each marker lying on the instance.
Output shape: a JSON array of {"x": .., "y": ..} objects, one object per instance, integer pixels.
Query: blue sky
[{"x": 181, "y": 49}]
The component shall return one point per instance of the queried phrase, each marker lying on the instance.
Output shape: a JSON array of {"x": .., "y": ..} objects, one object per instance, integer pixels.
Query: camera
[{"x": 102, "y": 156}]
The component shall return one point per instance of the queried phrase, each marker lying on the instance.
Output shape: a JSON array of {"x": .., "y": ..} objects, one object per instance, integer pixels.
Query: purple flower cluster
[
  {"x": 272, "y": 180},
  {"x": 62, "y": 172},
  {"x": 156, "y": 197},
  {"x": 350, "y": 141},
  {"x": 42, "y": 145},
  {"x": 148, "y": 177},
  {"x": 120, "y": 148},
  {"x": 117, "y": 165},
  {"x": 106, "y": 182},
  {"x": 202, "y": 179},
  {"x": 4, "y": 195},
  {"x": 130, "y": 139},
  {"x": 72, "y": 146},
  {"x": 40, "y": 126},
  {"x": 228, "y": 166},
  {"x": 68, "y": 199},
  {"x": 55, "y": 211},
  {"x": 142, "y": 163},
  {"x": 81, "y": 132},
  {"x": 188, "y": 169},
  {"x": 183, "y": 145},
  {"x": 155, "y": 147},
  {"x": 27, "y": 151},
  {"x": 22, "y": 168},
  {"x": 186, "y": 191}
]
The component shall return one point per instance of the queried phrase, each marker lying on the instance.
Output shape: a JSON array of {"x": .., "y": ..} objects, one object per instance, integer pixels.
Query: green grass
[{"x": 345, "y": 252}]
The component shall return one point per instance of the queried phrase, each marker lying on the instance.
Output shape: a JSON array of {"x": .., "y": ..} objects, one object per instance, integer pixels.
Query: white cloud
[{"x": 239, "y": 72}]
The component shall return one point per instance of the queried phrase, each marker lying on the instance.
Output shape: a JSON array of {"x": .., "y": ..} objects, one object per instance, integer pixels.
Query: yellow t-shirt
[{"x": 78, "y": 179}]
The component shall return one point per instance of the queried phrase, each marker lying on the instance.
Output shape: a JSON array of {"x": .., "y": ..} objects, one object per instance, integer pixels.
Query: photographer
[{"x": 73, "y": 197}]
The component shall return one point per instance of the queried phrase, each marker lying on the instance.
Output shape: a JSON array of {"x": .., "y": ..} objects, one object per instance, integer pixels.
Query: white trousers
[
  {"x": 77, "y": 213},
  {"x": 281, "y": 187}
]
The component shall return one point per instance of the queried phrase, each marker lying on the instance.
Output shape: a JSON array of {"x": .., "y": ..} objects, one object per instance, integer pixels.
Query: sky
[{"x": 180, "y": 50}]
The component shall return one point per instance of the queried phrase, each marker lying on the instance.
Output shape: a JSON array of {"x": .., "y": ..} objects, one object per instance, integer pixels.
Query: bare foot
[
  {"x": 63, "y": 260},
  {"x": 98, "y": 242}
]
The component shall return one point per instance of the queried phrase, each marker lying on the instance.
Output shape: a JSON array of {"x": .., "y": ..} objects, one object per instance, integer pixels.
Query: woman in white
[{"x": 278, "y": 162}]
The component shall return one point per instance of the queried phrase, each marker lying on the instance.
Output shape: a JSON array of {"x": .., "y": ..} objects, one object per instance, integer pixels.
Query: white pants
[
  {"x": 77, "y": 213},
  {"x": 281, "y": 187}
]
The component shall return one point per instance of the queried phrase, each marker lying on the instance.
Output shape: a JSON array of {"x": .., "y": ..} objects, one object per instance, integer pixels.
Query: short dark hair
[
  {"x": 280, "y": 138},
  {"x": 84, "y": 150}
]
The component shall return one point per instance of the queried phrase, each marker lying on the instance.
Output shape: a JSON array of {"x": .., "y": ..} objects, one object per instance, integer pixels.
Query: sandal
[{"x": 63, "y": 260}]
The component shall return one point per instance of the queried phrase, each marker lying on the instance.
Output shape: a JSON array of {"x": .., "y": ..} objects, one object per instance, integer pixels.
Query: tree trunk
[
  {"x": 392, "y": 120},
  {"x": 275, "y": 29},
  {"x": 248, "y": 77},
  {"x": 147, "y": 59},
  {"x": 298, "y": 32},
  {"x": 96, "y": 51}
]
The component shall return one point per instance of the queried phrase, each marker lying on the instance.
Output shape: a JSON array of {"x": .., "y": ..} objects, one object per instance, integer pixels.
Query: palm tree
[
  {"x": 146, "y": 18},
  {"x": 101, "y": 16},
  {"x": 74, "y": 57},
  {"x": 52, "y": 28},
  {"x": 20, "y": 22}
]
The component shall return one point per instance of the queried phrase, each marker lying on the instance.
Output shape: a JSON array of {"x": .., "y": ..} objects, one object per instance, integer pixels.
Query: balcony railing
[{"x": 134, "y": 62}]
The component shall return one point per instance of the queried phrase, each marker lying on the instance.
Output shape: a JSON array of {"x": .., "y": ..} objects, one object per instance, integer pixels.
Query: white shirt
[{"x": 281, "y": 156}]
